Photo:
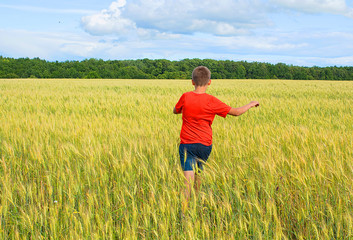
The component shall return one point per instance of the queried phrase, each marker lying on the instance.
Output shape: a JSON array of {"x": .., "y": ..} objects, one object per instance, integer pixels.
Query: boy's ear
[
  {"x": 193, "y": 83},
  {"x": 209, "y": 82}
]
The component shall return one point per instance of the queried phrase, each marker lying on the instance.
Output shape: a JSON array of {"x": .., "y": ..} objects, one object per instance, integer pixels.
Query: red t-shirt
[{"x": 198, "y": 112}]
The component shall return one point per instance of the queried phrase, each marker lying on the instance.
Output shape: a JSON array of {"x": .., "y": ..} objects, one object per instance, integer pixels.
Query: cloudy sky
[{"x": 298, "y": 32}]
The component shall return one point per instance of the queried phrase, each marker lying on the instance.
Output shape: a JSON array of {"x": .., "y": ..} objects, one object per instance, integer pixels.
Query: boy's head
[{"x": 201, "y": 76}]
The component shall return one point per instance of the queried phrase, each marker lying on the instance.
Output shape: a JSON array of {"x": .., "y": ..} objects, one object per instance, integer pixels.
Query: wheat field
[{"x": 98, "y": 159}]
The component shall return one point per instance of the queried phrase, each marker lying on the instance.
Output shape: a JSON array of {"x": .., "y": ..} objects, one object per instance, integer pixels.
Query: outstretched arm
[{"x": 240, "y": 110}]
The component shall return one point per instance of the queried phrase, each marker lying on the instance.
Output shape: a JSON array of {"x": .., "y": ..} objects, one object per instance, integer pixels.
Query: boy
[{"x": 198, "y": 111}]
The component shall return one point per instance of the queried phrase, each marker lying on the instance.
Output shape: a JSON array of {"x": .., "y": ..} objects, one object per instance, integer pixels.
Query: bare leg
[
  {"x": 189, "y": 179},
  {"x": 197, "y": 183}
]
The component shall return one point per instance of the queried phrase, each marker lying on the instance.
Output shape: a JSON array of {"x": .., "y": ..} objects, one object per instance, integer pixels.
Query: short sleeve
[
  {"x": 180, "y": 104},
  {"x": 218, "y": 107}
]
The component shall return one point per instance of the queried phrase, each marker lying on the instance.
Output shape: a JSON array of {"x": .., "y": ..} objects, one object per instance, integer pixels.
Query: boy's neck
[{"x": 200, "y": 89}]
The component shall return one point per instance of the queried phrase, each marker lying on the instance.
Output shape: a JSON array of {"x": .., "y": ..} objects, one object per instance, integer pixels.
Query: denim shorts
[{"x": 196, "y": 155}]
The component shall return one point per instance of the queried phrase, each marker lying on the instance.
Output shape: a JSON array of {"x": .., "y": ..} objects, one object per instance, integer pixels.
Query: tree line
[{"x": 164, "y": 69}]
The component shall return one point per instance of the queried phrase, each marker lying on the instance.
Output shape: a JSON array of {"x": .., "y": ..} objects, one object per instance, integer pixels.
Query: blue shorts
[{"x": 196, "y": 155}]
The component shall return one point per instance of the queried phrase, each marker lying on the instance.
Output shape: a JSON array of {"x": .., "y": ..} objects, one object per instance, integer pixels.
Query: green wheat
[{"x": 98, "y": 159}]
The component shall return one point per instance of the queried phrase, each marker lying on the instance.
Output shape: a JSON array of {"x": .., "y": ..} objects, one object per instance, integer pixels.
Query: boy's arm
[
  {"x": 179, "y": 106},
  {"x": 175, "y": 111},
  {"x": 240, "y": 110}
]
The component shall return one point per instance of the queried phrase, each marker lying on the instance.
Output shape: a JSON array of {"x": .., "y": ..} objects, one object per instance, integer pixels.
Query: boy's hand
[
  {"x": 254, "y": 104},
  {"x": 240, "y": 110}
]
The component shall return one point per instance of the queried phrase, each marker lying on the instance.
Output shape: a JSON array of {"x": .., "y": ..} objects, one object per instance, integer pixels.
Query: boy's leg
[
  {"x": 199, "y": 169},
  {"x": 191, "y": 156},
  {"x": 188, "y": 181},
  {"x": 202, "y": 156},
  {"x": 197, "y": 183},
  {"x": 187, "y": 162}
]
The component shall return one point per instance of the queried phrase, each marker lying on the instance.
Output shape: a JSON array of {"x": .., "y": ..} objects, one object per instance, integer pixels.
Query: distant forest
[{"x": 164, "y": 69}]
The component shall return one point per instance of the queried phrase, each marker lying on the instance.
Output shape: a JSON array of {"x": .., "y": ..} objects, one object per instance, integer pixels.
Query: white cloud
[
  {"x": 136, "y": 18},
  {"x": 260, "y": 44},
  {"x": 339, "y": 61},
  {"x": 226, "y": 29},
  {"x": 46, "y": 10},
  {"x": 218, "y": 28},
  {"x": 77, "y": 46},
  {"x": 109, "y": 21},
  {"x": 290, "y": 48},
  {"x": 50, "y": 46},
  {"x": 221, "y": 17},
  {"x": 317, "y": 6}
]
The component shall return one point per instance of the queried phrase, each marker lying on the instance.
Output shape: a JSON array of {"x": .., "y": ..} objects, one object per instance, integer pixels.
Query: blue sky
[{"x": 298, "y": 32}]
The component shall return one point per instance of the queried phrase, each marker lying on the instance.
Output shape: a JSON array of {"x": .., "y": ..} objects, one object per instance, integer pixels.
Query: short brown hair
[{"x": 201, "y": 76}]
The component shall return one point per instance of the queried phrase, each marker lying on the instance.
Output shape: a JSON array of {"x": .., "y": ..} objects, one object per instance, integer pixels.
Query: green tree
[{"x": 92, "y": 75}]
